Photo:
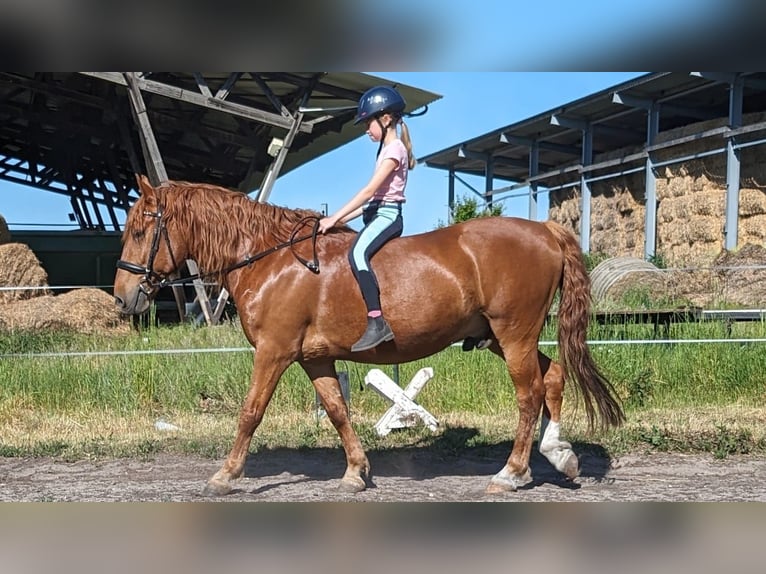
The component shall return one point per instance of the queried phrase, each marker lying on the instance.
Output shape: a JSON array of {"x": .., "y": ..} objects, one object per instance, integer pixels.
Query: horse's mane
[{"x": 219, "y": 221}]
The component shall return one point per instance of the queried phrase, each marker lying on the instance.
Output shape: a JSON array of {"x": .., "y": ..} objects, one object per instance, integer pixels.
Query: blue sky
[
  {"x": 551, "y": 34},
  {"x": 472, "y": 104},
  {"x": 486, "y": 35}
]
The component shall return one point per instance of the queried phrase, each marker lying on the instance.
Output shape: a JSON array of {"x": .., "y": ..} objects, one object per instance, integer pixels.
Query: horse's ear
[
  {"x": 144, "y": 185},
  {"x": 147, "y": 190}
]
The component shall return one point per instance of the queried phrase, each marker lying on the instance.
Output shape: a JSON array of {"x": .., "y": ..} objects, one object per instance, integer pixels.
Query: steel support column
[
  {"x": 650, "y": 184},
  {"x": 650, "y": 177},
  {"x": 534, "y": 152},
  {"x": 587, "y": 159},
  {"x": 733, "y": 166},
  {"x": 489, "y": 176},
  {"x": 450, "y": 193}
]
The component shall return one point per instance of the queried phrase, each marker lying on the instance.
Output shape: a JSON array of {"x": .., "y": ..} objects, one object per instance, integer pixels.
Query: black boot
[{"x": 377, "y": 332}]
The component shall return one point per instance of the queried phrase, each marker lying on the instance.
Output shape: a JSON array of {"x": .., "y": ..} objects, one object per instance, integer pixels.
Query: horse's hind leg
[
  {"x": 524, "y": 369},
  {"x": 558, "y": 452},
  {"x": 325, "y": 380}
]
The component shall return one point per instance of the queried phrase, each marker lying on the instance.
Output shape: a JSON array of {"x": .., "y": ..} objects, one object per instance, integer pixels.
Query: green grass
[{"x": 677, "y": 397}]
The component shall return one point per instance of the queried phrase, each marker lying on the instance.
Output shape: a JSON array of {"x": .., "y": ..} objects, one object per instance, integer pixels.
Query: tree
[{"x": 466, "y": 208}]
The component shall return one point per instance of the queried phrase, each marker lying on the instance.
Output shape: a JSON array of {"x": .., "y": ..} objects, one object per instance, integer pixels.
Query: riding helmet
[{"x": 379, "y": 100}]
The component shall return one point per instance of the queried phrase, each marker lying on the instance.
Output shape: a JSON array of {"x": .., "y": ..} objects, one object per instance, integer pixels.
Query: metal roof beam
[
  {"x": 632, "y": 101},
  {"x": 53, "y": 89},
  {"x": 275, "y": 101},
  {"x": 510, "y": 162},
  {"x": 202, "y": 85},
  {"x": 647, "y": 104},
  {"x": 730, "y": 78},
  {"x": 569, "y": 122},
  {"x": 723, "y": 77},
  {"x": 224, "y": 91},
  {"x": 488, "y": 158},
  {"x": 319, "y": 86},
  {"x": 465, "y": 153},
  {"x": 190, "y": 97},
  {"x": 529, "y": 142},
  {"x": 584, "y": 125}
]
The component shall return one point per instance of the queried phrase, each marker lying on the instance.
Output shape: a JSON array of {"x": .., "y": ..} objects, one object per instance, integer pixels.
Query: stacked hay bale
[
  {"x": 618, "y": 227},
  {"x": 691, "y": 197},
  {"x": 691, "y": 217},
  {"x": 691, "y": 211},
  {"x": 742, "y": 276},
  {"x": 34, "y": 307}
]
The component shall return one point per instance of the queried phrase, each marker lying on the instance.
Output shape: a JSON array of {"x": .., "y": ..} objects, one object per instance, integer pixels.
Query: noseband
[{"x": 153, "y": 281}]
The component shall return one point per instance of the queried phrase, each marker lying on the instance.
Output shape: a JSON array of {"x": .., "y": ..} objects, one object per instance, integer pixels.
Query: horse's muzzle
[{"x": 133, "y": 303}]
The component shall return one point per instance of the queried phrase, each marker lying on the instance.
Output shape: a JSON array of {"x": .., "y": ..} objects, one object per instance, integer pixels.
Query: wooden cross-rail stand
[{"x": 404, "y": 412}]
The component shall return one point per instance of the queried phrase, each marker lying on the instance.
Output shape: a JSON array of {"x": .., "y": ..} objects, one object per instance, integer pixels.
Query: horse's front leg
[
  {"x": 325, "y": 379},
  {"x": 268, "y": 368}
]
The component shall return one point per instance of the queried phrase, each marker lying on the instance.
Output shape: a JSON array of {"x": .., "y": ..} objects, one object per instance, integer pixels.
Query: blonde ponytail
[{"x": 405, "y": 136}]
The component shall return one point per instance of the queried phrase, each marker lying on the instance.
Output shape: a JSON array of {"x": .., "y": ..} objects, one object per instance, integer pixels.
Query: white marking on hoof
[
  {"x": 216, "y": 487},
  {"x": 558, "y": 452},
  {"x": 506, "y": 481}
]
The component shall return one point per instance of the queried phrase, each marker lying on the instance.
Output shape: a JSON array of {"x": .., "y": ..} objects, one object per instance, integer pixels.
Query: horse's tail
[{"x": 574, "y": 315}]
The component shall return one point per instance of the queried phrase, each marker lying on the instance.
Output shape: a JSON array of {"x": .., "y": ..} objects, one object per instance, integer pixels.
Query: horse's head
[{"x": 151, "y": 251}]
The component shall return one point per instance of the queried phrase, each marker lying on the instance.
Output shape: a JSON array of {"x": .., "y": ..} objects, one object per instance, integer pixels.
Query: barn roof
[
  {"x": 77, "y": 133},
  {"x": 616, "y": 116}
]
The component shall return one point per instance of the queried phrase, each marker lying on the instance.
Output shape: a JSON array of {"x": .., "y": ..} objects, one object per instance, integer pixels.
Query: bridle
[{"x": 152, "y": 281}]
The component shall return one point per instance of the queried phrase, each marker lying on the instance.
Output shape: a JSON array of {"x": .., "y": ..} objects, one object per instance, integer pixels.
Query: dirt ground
[{"x": 404, "y": 475}]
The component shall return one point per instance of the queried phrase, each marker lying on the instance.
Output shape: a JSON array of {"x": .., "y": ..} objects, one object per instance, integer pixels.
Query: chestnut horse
[{"x": 490, "y": 278}]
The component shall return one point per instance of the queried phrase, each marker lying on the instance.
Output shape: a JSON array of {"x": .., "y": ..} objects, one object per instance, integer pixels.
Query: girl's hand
[{"x": 326, "y": 223}]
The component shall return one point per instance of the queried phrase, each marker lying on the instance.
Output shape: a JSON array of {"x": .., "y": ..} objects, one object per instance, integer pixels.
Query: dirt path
[{"x": 407, "y": 475}]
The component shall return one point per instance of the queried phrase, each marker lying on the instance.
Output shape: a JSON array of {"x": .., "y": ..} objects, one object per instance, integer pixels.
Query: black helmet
[{"x": 379, "y": 100}]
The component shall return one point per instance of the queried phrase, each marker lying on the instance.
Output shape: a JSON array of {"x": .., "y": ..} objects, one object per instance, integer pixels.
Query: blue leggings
[{"x": 381, "y": 223}]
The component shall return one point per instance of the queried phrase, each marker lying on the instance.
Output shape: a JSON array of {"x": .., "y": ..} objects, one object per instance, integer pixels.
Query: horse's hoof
[
  {"x": 352, "y": 485},
  {"x": 505, "y": 481},
  {"x": 571, "y": 466},
  {"x": 216, "y": 488},
  {"x": 499, "y": 488}
]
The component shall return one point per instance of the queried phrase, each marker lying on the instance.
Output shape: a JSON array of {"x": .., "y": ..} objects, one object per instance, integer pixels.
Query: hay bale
[
  {"x": 742, "y": 274},
  {"x": 5, "y": 234},
  {"x": 20, "y": 268},
  {"x": 613, "y": 278},
  {"x": 88, "y": 310},
  {"x": 751, "y": 202},
  {"x": 752, "y": 229},
  {"x": 697, "y": 286}
]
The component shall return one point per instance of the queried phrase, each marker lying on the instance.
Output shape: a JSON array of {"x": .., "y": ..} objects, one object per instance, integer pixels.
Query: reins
[
  {"x": 151, "y": 275},
  {"x": 312, "y": 265}
]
